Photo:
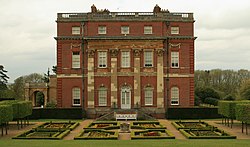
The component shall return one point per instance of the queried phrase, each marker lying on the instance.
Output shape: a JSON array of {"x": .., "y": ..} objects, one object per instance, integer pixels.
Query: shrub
[
  {"x": 211, "y": 101},
  {"x": 229, "y": 97},
  {"x": 204, "y": 93},
  {"x": 197, "y": 100},
  {"x": 51, "y": 104}
]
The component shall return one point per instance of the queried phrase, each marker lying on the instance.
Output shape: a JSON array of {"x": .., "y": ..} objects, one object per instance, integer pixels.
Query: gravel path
[{"x": 78, "y": 129}]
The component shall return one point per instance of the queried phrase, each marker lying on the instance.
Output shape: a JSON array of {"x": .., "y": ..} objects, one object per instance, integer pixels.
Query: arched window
[
  {"x": 76, "y": 96},
  {"x": 174, "y": 96},
  {"x": 148, "y": 95},
  {"x": 102, "y": 96}
]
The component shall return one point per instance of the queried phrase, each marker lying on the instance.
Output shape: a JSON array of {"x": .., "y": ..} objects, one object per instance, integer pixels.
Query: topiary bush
[
  {"x": 20, "y": 109},
  {"x": 6, "y": 113},
  {"x": 227, "y": 108},
  {"x": 243, "y": 112}
]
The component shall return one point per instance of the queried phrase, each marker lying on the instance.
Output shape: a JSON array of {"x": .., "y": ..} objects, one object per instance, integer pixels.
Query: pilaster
[
  {"x": 91, "y": 80},
  {"x": 160, "y": 78},
  {"x": 137, "y": 77},
  {"x": 113, "y": 53}
]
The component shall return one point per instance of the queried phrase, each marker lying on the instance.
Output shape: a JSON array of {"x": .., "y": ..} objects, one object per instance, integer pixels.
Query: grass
[{"x": 126, "y": 143}]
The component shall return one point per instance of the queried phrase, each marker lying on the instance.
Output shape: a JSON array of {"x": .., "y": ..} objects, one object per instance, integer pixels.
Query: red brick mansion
[{"x": 125, "y": 60}]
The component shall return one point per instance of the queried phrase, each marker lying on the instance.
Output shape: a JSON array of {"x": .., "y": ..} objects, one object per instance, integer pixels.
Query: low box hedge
[
  {"x": 68, "y": 126},
  {"x": 50, "y": 135},
  {"x": 86, "y": 135},
  {"x": 113, "y": 125},
  {"x": 221, "y": 134},
  {"x": 164, "y": 134},
  {"x": 202, "y": 125},
  {"x": 139, "y": 125}
]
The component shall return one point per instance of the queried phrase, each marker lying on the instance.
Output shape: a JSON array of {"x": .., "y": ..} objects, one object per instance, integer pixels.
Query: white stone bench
[{"x": 126, "y": 116}]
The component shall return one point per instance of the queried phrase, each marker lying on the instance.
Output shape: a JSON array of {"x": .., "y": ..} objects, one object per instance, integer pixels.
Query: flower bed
[
  {"x": 147, "y": 125},
  {"x": 107, "y": 125},
  {"x": 191, "y": 125},
  {"x": 152, "y": 134},
  {"x": 97, "y": 134},
  {"x": 206, "y": 134},
  {"x": 34, "y": 134},
  {"x": 58, "y": 126}
]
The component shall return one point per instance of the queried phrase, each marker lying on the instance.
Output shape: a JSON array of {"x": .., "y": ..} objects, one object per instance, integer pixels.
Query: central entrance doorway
[{"x": 125, "y": 97}]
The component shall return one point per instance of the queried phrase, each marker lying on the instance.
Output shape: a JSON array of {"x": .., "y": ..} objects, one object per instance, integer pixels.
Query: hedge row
[
  {"x": 5, "y": 113},
  {"x": 192, "y": 113},
  {"x": 20, "y": 109},
  {"x": 243, "y": 112},
  {"x": 57, "y": 113},
  {"x": 228, "y": 108}
]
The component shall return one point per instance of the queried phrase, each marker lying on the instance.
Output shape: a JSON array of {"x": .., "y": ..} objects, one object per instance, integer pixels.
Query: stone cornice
[{"x": 124, "y": 37}]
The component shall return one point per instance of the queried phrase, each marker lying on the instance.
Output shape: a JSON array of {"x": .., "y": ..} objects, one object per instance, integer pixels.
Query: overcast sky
[{"x": 27, "y": 28}]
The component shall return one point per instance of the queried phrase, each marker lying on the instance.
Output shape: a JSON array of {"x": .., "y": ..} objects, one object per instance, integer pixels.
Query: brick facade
[{"x": 146, "y": 81}]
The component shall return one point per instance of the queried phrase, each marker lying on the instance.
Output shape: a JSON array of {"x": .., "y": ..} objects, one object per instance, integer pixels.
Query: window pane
[
  {"x": 76, "y": 60},
  {"x": 123, "y": 97},
  {"x": 148, "y": 97},
  {"x": 174, "y": 30},
  {"x": 175, "y": 96},
  {"x": 127, "y": 97},
  {"x": 125, "y": 59},
  {"x": 125, "y": 30},
  {"x": 102, "y": 96},
  {"x": 148, "y": 30},
  {"x": 175, "y": 59},
  {"x": 75, "y": 30},
  {"x": 148, "y": 59},
  {"x": 76, "y": 96},
  {"x": 102, "y": 30},
  {"x": 102, "y": 59}
]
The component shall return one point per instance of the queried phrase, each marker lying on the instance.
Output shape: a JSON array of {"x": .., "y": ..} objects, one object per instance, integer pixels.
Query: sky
[{"x": 28, "y": 28}]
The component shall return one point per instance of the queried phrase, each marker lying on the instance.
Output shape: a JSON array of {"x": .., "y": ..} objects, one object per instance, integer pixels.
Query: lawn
[{"x": 125, "y": 143}]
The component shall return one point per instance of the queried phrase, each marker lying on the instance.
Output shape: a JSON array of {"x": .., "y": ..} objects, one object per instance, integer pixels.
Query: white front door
[{"x": 126, "y": 98}]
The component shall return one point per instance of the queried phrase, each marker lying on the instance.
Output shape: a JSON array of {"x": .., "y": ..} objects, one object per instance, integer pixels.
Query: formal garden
[{"x": 15, "y": 118}]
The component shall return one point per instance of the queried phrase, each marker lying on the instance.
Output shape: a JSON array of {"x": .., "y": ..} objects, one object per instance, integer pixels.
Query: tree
[
  {"x": 33, "y": 78},
  {"x": 226, "y": 82},
  {"x": 18, "y": 88},
  {"x": 46, "y": 77},
  {"x": 245, "y": 90},
  {"x": 19, "y": 83},
  {"x": 39, "y": 99},
  {"x": 207, "y": 92},
  {"x": 54, "y": 69},
  {"x": 3, "y": 78}
]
